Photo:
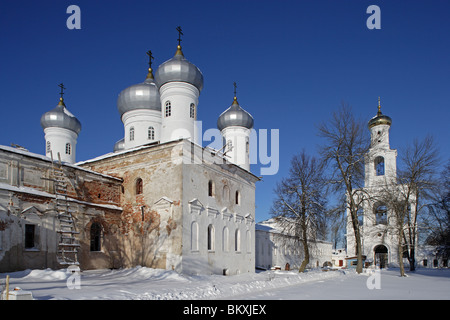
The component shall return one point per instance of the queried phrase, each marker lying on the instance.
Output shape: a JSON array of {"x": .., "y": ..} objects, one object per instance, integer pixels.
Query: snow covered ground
[{"x": 142, "y": 283}]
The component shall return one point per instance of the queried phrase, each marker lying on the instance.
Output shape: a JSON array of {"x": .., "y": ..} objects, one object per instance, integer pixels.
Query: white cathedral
[{"x": 159, "y": 200}]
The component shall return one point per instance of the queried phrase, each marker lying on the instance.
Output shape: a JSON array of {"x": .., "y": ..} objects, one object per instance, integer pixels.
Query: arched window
[
  {"x": 194, "y": 236},
  {"x": 192, "y": 111},
  {"x": 132, "y": 134},
  {"x": 211, "y": 188},
  {"x": 225, "y": 240},
  {"x": 49, "y": 147},
  {"x": 237, "y": 241},
  {"x": 226, "y": 193},
  {"x": 381, "y": 214},
  {"x": 168, "y": 109},
  {"x": 151, "y": 133},
  {"x": 211, "y": 238},
  {"x": 379, "y": 166},
  {"x": 249, "y": 241},
  {"x": 237, "y": 197},
  {"x": 96, "y": 236},
  {"x": 139, "y": 186},
  {"x": 68, "y": 148}
]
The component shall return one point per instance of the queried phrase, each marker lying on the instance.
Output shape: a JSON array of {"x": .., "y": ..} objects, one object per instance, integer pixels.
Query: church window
[
  {"x": 225, "y": 239},
  {"x": 139, "y": 186},
  {"x": 96, "y": 234},
  {"x": 381, "y": 214},
  {"x": 229, "y": 145},
  {"x": 379, "y": 166},
  {"x": 68, "y": 148},
  {"x": 247, "y": 145},
  {"x": 226, "y": 193},
  {"x": 194, "y": 236},
  {"x": 168, "y": 109},
  {"x": 132, "y": 134},
  {"x": 211, "y": 188},
  {"x": 237, "y": 197},
  {"x": 49, "y": 147},
  {"x": 237, "y": 241},
  {"x": 151, "y": 133},
  {"x": 211, "y": 238},
  {"x": 30, "y": 231},
  {"x": 192, "y": 111}
]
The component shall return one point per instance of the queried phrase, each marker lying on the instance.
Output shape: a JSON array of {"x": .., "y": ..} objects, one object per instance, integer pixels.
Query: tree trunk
[
  {"x": 306, "y": 260},
  {"x": 412, "y": 259},
  {"x": 400, "y": 257}
]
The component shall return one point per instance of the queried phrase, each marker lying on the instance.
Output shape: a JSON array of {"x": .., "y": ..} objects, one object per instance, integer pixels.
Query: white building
[
  {"x": 276, "y": 249},
  {"x": 165, "y": 201}
]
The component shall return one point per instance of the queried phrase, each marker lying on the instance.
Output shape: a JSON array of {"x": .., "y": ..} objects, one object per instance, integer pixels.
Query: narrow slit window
[
  {"x": 151, "y": 133},
  {"x": 68, "y": 148},
  {"x": 168, "y": 109},
  {"x": 139, "y": 186},
  {"x": 211, "y": 188},
  {"x": 132, "y": 134},
  {"x": 192, "y": 111}
]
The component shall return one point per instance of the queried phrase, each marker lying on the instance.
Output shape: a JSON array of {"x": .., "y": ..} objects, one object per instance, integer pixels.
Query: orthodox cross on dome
[
  {"x": 150, "y": 58},
  {"x": 379, "y": 106},
  {"x": 180, "y": 33},
  {"x": 235, "y": 86},
  {"x": 61, "y": 85}
]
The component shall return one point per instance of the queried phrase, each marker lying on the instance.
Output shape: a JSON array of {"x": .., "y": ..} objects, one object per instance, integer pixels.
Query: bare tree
[
  {"x": 345, "y": 144},
  {"x": 438, "y": 223},
  {"x": 420, "y": 163},
  {"x": 300, "y": 202}
]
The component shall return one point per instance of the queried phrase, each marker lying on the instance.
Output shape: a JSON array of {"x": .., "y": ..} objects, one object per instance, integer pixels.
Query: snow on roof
[
  {"x": 27, "y": 153},
  {"x": 32, "y": 191}
]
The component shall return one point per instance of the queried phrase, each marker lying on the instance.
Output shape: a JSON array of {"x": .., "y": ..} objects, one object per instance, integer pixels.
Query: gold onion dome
[{"x": 379, "y": 118}]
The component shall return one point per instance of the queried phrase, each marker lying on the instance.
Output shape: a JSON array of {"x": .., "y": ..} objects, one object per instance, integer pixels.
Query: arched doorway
[{"x": 381, "y": 256}]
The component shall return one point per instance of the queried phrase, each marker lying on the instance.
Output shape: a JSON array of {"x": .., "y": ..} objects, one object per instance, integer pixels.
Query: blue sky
[{"x": 294, "y": 63}]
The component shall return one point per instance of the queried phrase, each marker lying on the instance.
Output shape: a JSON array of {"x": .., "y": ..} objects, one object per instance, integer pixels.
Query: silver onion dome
[
  {"x": 143, "y": 95},
  {"x": 179, "y": 69},
  {"x": 235, "y": 116},
  {"x": 119, "y": 145},
  {"x": 60, "y": 117}
]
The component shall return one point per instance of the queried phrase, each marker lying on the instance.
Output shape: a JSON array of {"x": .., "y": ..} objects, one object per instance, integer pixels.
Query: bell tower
[{"x": 381, "y": 160}]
